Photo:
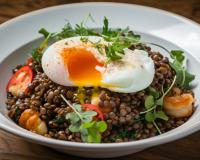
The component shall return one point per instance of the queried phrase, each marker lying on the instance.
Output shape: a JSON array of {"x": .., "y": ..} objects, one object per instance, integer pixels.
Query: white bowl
[{"x": 19, "y": 36}]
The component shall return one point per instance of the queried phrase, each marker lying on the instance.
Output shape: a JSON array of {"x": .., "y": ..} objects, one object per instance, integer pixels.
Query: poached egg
[{"x": 78, "y": 61}]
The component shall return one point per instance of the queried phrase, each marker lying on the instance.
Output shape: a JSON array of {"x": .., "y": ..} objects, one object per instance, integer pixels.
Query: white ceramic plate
[{"x": 19, "y": 36}]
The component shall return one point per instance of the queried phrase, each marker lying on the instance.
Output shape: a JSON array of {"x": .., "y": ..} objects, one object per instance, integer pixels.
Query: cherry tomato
[
  {"x": 94, "y": 108},
  {"x": 20, "y": 80}
]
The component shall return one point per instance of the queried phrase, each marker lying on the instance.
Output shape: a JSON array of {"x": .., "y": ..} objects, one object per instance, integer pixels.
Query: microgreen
[
  {"x": 156, "y": 126},
  {"x": 82, "y": 121},
  {"x": 38, "y": 52},
  {"x": 183, "y": 76},
  {"x": 153, "y": 92},
  {"x": 119, "y": 38},
  {"x": 153, "y": 102}
]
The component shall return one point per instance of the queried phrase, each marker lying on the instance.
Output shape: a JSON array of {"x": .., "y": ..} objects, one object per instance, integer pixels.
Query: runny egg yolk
[{"x": 81, "y": 65}]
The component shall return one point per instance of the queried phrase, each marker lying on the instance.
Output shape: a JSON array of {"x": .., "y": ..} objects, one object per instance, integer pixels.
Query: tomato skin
[
  {"x": 20, "y": 80},
  {"x": 94, "y": 108}
]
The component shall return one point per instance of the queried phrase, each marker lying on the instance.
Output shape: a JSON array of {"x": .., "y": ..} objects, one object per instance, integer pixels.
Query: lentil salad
[{"x": 62, "y": 112}]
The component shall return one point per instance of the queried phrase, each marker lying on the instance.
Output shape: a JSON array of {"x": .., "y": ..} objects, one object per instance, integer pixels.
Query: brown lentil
[{"x": 122, "y": 111}]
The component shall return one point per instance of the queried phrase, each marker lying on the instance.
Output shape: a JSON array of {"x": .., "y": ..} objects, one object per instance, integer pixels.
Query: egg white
[{"x": 133, "y": 73}]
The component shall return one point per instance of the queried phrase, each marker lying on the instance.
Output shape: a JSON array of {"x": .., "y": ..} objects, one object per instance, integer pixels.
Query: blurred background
[{"x": 12, "y": 8}]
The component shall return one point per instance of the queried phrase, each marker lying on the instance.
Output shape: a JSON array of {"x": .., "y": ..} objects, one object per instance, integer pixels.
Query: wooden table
[{"x": 12, "y": 147}]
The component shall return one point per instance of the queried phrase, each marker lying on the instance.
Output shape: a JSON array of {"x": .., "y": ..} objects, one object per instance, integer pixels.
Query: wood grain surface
[{"x": 14, "y": 148}]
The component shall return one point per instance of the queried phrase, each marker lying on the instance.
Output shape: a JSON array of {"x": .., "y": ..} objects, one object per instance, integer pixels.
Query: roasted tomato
[{"x": 20, "y": 80}]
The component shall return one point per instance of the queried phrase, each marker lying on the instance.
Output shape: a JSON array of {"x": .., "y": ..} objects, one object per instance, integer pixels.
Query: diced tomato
[
  {"x": 94, "y": 108},
  {"x": 20, "y": 80}
]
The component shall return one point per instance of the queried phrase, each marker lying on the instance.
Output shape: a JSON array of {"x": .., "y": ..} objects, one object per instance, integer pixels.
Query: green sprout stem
[
  {"x": 70, "y": 105},
  {"x": 174, "y": 80},
  {"x": 150, "y": 109},
  {"x": 164, "y": 94},
  {"x": 158, "y": 129}
]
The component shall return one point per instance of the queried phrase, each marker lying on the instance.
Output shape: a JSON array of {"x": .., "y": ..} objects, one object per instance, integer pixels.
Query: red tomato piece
[
  {"x": 20, "y": 80},
  {"x": 94, "y": 108}
]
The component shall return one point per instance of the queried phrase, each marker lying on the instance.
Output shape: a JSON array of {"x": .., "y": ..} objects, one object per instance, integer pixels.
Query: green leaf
[
  {"x": 74, "y": 128},
  {"x": 161, "y": 115},
  {"x": 94, "y": 136},
  {"x": 82, "y": 30},
  {"x": 84, "y": 134},
  {"x": 77, "y": 107},
  {"x": 183, "y": 76},
  {"x": 149, "y": 102},
  {"x": 89, "y": 113},
  {"x": 87, "y": 116},
  {"x": 37, "y": 54},
  {"x": 88, "y": 124},
  {"x": 153, "y": 92},
  {"x": 82, "y": 121},
  {"x": 73, "y": 117},
  {"x": 159, "y": 102},
  {"x": 188, "y": 78},
  {"x": 179, "y": 72},
  {"x": 120, "y": 38},
  {"x": 66, "y": 32},
  {"x": 101, "y": 126},
  {"x": 150, "y": 117},
  {"x": 178, "y": 55}
]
